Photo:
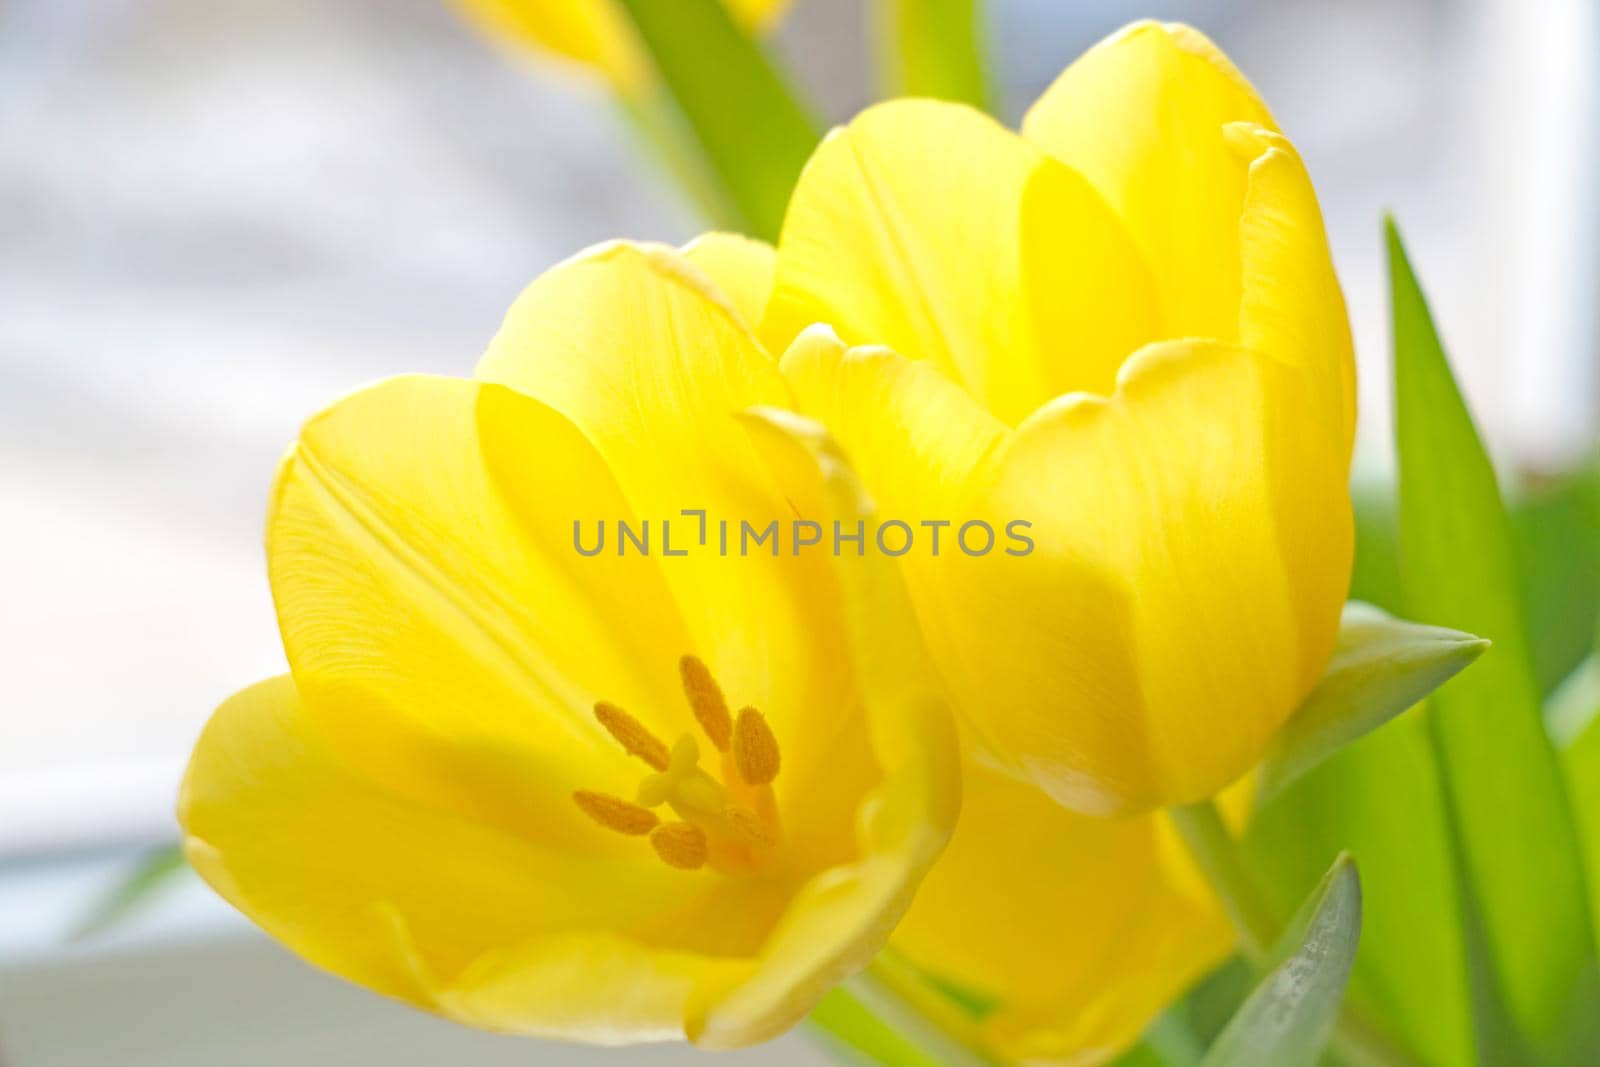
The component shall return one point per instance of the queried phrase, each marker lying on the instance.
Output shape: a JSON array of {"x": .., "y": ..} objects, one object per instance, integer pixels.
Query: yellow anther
[
  {"x": 615, "y": 813},
  {"x": 705, "y": 697},
  {"x": 680, "y": 844},
  {"x": 632, "y": 735},
  {"x": 755, "y": 750}
]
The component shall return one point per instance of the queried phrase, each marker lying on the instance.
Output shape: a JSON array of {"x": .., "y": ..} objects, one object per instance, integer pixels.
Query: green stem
[
  {"x": 901, "y": 995},
  {"x": 1217, "y": 853},
  {"x": 934, "y": 48},
  {"x": 752, "y": 129},
  {"x": 847, "y": 1023},
  {"x": 655, "y": 123},
  {"x": 1221, "y": 861}
]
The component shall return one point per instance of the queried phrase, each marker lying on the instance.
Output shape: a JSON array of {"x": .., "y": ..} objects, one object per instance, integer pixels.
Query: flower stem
[
  {"x": 899, "y": 994},
  {"x": 1216, "y": 851},
  {"x": 1220, "y": 860}
]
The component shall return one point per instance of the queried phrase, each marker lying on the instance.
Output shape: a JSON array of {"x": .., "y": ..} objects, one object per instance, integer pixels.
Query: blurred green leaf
[
  {"x": 1288, "y": 1019},
  {"x": 1556, "y": 526},
  {"x": 1530, "y": 949},
  {"x": 755, "y": 132},
  {"x": 1381, "y": 667},
  {"x": 934, "y": 48},
  {"x": 153, "y": 873},
  {"x": 1375, "y": 579},
  {"x": 1576, "y": 726}
]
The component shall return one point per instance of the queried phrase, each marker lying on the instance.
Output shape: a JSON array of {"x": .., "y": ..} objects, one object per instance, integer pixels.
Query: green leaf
[
  {"x": 1381, "y": 667},
  {"x": 1575, "y": 723},
  {"x": 1556, "y": 526},
  {"x": 1288, "y": 1019},
  {"x": 1524, "y": 909},
  {"x": 934, "y": 48},
  {"x": 1381, "y": 798},
  {"x": 1375, "y": 579},
  {"x": 154, "y": 873},
  {"x": 755, "y": 132}
]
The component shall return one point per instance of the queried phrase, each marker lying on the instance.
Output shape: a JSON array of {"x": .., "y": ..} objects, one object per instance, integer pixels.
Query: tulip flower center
[{"x": 729, "y": 821}]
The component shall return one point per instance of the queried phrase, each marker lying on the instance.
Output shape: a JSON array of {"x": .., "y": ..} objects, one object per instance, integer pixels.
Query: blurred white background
[{"x": 217, "y": 215}]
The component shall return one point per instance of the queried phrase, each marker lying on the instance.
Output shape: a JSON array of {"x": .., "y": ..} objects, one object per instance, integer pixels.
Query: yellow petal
[
  {"x": 1141, "y": 116},
  {"x": 1292, "y": 305},
  {"x": 437, "y": 616},
  {"x": 400, "y": 896},
  {"x": 839, "y": 921},
  {"x": 641, "y": 351},
  {"x": 1192, "y": 551},
  {"x": 741, "y": 267},
  {"x": 929, "y": 228},
  {"x": 1078, "y": 930},
  {"x": 910, "y": 432}
]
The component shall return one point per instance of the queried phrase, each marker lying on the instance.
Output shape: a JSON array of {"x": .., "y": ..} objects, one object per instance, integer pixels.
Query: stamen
[
  {"x": 749, "y": 826},
  {"x": 631, "y": 734},
  {"x": 705, "y": 697},
  {"x": 755, "y": 749},
  {"x": 680, "y": 844},
  {"x": 617, "y": 814}
]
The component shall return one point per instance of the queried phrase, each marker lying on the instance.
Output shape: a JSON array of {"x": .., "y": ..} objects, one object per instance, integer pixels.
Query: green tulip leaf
[
  {"x": 1381, "y": 667},
  {"x": 1289, "y": 1017},
  {"x": 752, "y": 128},
  {"x": 1575, "y": 722},
  {"x": 1524, "y": 914},
  {"x": 1555, "y": 523}
]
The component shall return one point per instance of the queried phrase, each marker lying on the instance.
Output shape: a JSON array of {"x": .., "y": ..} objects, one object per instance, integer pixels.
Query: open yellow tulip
[
  {"x": 504, "y": 780},
  {"x": 1122, "y": 327},
  {"x": 592, "y": 34}
]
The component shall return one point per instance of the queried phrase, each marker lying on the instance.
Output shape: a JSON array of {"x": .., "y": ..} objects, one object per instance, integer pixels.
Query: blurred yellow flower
[
  {"x": 505, "y": 781},
  {"x": 1076, "y": 931},
  {"x": 1122, "y": 327},
  {"x": 593, "y": 34}
]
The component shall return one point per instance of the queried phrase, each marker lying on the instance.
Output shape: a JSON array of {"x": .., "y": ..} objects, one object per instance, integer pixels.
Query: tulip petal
[
  {"x": 1292, "y": 306},
  {"x": 437, "y": 616},
  {"x": 397, "y": 895},
  {"x": 839, "y": 920},
  {"x": 1082, "y": 941},
  {"x": 910, "y": 432},
  {"x": 1141, "y": 116},
  {"x": 929, "y": 228},
  {"x": 741, "y": 267},
  {"x": 636, "y": 346},
  {"x": 1193, "y": 544}
]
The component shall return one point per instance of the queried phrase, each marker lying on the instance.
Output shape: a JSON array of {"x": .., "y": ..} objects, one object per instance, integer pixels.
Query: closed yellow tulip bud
[{"x": 1121, "y": 327}]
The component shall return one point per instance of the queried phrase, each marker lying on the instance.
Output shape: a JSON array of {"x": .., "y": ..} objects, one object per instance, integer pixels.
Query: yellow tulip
[
  {"x": 506, "y": 782},
  {"x": 593, "y": 35},
  {"x": 1076, "y": 931},
  {"x": 1122, "y": 327}
]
